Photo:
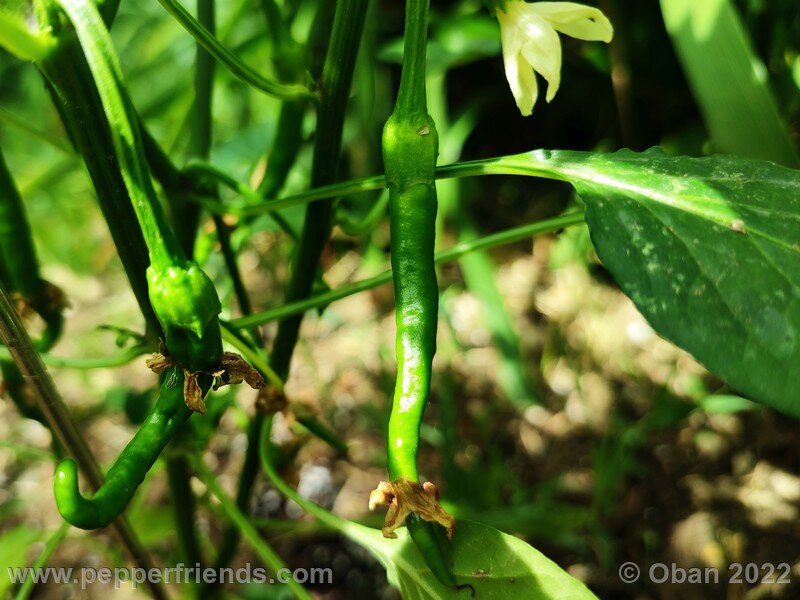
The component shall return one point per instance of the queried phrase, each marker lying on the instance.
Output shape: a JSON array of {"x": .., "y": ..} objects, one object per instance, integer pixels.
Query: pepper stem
[{"x": 411, "y": 96}]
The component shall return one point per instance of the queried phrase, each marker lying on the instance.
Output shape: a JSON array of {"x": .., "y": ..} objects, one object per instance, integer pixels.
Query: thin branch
[
  {"x": 285, "y": 91},
  {"x": 504, "y": 237},
  {"x": 59, "y": 420},
  {"x": 239, "y": 520}
]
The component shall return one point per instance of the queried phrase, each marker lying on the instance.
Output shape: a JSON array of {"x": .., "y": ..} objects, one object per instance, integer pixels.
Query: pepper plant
[{"x": 705, "y": 247}]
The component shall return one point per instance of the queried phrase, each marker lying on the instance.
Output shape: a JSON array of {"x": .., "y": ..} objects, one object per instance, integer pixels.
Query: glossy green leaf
[
  {"x": 708, "y": 249},
  {"x": 495, "y": 564},
  {"x": 728, "y": 79}
]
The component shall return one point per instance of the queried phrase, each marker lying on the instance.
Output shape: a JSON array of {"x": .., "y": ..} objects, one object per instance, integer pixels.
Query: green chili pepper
[
  {"x": 182, "y": 297},
  {"x": 412, "y": 214},
  {"x": 129, "y": 470},
  {"x": 410, "y": 149},
  {"x": 20, "y": 272},
  {"x": 187, "y": 305},
  {"x": 16, "y": 242},
  {"x": 5, "y": 274}
]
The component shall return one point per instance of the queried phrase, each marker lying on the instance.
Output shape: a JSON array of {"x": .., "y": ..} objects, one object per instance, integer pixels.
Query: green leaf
[
  {"x": 17, "y": 38},
  {"x": 708, "y": 249},
  {"x": 725, "y": 404},
  {"x": 495, "y": 564},
  {"x": 728, "y": 79},
  {"x": 14, "y": 545},
  {"x": 455, "y": 42}
]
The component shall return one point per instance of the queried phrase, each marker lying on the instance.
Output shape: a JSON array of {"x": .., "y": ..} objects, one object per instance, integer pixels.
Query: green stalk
[
  {"x": 78, "y": 102},
  {"x": 337, "y": 77},
  {"x": 60, "y": 422},
  {"x": 231, "y": 61},
  {"x": 509, "y": 236},
  {"x": 270, "y": 205},
  {"x": 184, "y": 503},
  {"x": 50, "y": 547},
  {"x": 85, "y": 363},
  {"x": 186, "y": 221},
  {"x": 96, "y": 42},
  {"x": 20, "y": 264},
  {"x": 185, "y": 213},
  {"x": 243, "y": 526},
  {"x": 290, "y": 62},
  {"x": 530, "y": 164},
  {"x": 201, "y": 122}
]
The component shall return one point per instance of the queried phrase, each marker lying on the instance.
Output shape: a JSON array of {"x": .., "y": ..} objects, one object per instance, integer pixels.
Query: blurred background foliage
[{"x": 556, "y": 413}]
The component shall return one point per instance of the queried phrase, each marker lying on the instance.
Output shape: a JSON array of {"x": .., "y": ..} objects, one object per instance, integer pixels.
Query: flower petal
[
  {"x": 575, "y": 20},
  {"x": 542, "y": 51},
  {"x": 519, "y": 72}
]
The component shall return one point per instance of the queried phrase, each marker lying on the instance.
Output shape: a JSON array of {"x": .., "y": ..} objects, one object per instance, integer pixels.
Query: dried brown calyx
[
  {"x": 232, "y": 370},
  {"x": 404, "y": 497}
]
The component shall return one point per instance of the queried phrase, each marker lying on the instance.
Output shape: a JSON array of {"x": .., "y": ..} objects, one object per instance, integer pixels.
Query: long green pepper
[
  {"x": 182, "y": 296},
  {"x": 20, "y": 272},
  {"x": 410, "y": 149}
]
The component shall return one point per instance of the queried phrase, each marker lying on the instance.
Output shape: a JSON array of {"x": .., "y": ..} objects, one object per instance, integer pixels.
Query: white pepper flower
[{"x": 531, "y": 44}]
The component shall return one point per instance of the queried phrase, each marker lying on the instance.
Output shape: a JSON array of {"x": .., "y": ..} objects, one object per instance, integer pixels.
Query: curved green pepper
[
  {"x": 129, "y": 470},
  {"x": 183, "y": 298}
]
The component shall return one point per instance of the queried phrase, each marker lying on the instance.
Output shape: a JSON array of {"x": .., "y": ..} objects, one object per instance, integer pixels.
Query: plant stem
[
  {"x": 78, "y": 102},
  {"x": 183, "y": 502},
  {"x": 41, "y": 561},
  {"x": 185, "y": 213},
  {"x": 201, "y": 122},
  {"x": 337, "y": 75},
  {"x": 84, "y": 363},
  {"x": 411, "y": 95},
  {"x": 185, "y": 221},
  {"x": 239, "y": 290},
  {"x": 289, "y": 58},
  {"x": 234, "y": 514},
  {"x": 104, "y": 64},
  {"x": 231, "y": 61},
  {"x": 508, "y": 236},
  {"x": 59, "y": 420},
  {"x": 528, "y": 164},
  {"x": 315, "y": 195}
]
